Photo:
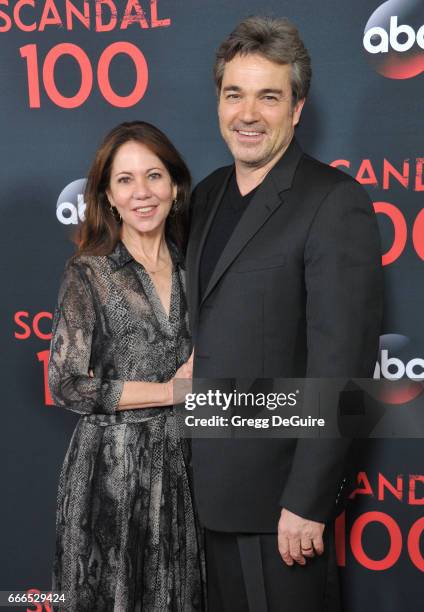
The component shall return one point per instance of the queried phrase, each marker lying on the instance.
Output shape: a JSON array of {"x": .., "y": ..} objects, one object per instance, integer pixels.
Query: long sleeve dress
[{"x": 127, "y": 537}]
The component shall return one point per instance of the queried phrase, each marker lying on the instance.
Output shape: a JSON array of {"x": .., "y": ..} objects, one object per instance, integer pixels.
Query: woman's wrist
[{"x": 168, "y": 392}]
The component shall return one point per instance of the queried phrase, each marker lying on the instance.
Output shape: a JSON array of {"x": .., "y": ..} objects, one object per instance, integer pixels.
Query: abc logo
[
  {"x": 393, "y": 368},
  {"x": 395, "y": 32},
  {"x": 399, "y": 365},
  {"x": 394, "y": 39},
  {"x": 70, "y": 207}
]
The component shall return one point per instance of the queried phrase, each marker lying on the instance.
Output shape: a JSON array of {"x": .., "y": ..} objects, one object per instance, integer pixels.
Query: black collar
[{"x": 120, "y": 255}]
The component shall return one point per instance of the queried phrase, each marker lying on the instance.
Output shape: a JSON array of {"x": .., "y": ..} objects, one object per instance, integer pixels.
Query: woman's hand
[
  {"x": 186, "y": 370},
  {"x": 139, "y": 394},
  {"x": 181, "y": 384}
]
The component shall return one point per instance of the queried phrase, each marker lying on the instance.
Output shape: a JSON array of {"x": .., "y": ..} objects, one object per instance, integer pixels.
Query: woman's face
[{"x": 140, "y": 188}]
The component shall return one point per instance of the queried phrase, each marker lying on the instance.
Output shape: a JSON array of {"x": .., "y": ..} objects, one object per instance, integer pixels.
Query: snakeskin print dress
[{"x": 127, "y": 537}]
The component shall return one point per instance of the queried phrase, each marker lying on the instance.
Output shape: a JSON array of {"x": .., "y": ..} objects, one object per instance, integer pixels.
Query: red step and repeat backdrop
[{"x": 70, "y": 70}]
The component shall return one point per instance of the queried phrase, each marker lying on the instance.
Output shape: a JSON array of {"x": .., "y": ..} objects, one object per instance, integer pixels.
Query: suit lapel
[
  {"x": 265, "y": 201},
  {"x": 197, "y": 243},
  {"x": 262, "y": 205}
]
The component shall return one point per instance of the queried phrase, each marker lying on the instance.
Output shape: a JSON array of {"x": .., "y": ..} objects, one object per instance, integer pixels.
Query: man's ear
[{"x": 297, "y": 111}]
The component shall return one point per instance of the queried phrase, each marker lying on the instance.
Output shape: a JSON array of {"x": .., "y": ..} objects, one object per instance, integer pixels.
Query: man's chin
[
  {"x": 251, "y": 161},
  {"x": 248, "y": 156}
]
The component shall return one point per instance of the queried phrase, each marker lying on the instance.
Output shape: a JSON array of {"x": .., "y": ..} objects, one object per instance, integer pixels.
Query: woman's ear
[{"x": 109, "y": 198}]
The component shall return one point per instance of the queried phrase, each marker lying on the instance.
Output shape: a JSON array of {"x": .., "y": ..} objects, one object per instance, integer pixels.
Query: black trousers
[{"x": 246, "y": 574}]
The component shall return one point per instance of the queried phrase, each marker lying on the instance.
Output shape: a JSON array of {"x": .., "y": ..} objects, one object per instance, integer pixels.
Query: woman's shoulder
[
  {"x": 87, "y": 265},
  {"x": 84, "y": 260}
]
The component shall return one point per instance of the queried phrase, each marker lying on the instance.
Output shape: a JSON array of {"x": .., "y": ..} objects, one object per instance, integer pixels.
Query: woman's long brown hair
[{"x": 101, "y": 228}]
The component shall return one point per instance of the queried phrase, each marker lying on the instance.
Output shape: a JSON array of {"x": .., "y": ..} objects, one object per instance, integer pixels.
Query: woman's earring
[
  {"x": 175, "y": 206},
  {"x": 115, "y": 212}
]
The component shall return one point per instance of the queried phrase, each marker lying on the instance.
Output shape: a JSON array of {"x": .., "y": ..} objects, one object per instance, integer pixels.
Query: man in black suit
[{"x": 284, "y": 280}]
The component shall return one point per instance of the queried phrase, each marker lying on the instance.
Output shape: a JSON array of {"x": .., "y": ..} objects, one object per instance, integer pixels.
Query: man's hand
[{"x": 298, "y": 538}]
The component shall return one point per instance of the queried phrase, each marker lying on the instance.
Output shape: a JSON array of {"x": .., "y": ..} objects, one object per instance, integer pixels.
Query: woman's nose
[{"x": 141, "y": 189}]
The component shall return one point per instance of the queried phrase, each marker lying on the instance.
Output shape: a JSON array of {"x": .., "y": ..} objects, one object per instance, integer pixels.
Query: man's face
[{"x": 255, "y": 110}]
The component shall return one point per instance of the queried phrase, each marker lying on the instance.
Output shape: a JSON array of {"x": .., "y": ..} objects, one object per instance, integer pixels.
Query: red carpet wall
[{"x": 69, "y": 72}]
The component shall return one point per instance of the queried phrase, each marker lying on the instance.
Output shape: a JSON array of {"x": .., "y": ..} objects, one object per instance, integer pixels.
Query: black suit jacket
[{"x": 297, "y": 292}]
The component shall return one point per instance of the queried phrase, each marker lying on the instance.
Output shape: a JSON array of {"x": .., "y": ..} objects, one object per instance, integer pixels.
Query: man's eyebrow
[
  {"x": 271, "y": 91},
  {"x": 261, "y": 92},
  {"x": 231, "y": 88}
]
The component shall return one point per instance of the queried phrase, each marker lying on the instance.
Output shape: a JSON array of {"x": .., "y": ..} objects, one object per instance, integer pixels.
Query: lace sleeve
[{"x": 73, "y": 324}]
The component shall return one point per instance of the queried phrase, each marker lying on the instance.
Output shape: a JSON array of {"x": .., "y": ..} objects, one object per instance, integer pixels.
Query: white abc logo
[
  {"x": 392, "y": 38},
  {"x": 70, "y": 207},
  {"x": 393, "y": 368}
]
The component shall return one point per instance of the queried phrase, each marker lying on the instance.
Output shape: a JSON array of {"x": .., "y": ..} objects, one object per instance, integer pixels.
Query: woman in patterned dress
[{"x": 127, "y": 537}]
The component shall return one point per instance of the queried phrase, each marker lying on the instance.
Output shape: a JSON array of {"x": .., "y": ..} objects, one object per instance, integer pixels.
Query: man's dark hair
[{"x": 277, "y": 40}]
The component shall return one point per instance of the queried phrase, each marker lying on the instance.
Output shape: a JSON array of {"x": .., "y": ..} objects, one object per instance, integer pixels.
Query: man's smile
[{"x": 246, "y": 135}]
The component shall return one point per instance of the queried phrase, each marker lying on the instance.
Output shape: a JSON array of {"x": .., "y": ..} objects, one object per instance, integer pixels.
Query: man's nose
[{"x": 249, "y": 111}]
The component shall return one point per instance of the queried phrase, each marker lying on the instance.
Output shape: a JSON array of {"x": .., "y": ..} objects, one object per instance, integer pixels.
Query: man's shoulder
[
  {"x": 317, "y": 182},
  {"x": 212, "y": 180},
  {"x": 318, "y": 171}
]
